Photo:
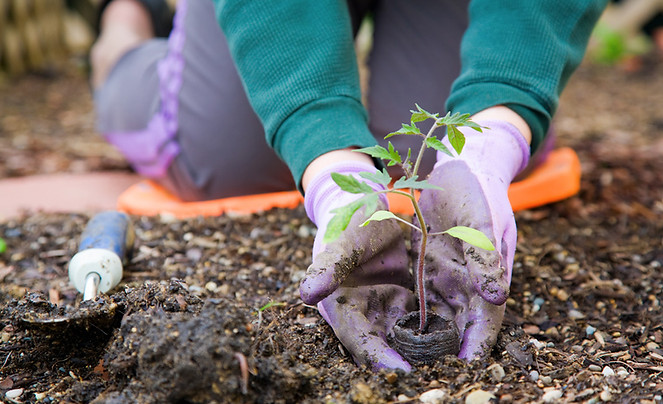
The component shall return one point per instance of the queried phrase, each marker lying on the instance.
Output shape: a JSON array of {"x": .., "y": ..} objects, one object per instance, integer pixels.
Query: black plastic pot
[{"x": 441, "y": 337}]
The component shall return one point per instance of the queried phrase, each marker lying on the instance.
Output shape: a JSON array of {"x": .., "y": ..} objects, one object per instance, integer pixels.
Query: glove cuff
[
  {"x": 501, "y": 147},
  {"x": 323, "y": 194}
]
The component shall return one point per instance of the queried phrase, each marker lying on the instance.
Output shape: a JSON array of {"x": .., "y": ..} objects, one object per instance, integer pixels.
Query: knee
[{"x": 125, "y": 24}]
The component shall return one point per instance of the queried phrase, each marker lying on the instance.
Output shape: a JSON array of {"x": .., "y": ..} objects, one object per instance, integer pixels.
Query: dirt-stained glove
[
  {"x": 360, "y": 282},
  {"x": 463, "y": 282}
]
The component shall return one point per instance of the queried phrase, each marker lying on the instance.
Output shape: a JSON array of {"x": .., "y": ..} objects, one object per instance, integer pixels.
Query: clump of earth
[{"x": 209, "y": 310}]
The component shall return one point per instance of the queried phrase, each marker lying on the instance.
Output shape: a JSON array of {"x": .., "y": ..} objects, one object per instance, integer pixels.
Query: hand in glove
[
  {"x": 360, "y": 281},
  {"x": 463, "y": 282}
]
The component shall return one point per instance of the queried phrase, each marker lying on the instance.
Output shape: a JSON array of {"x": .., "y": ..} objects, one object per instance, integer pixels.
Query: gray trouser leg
[
  {"x": 224, "y": 151},
  {"x": 222, "y": 147}
]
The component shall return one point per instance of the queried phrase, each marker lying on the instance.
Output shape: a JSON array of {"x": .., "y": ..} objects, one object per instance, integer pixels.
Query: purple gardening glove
[
  {"x": 360, "y": 281},
  {"x": 463, "y": 282}
]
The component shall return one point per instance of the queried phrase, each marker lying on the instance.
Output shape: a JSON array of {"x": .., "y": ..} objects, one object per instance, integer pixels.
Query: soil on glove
[{"x": 208, "y": 310}]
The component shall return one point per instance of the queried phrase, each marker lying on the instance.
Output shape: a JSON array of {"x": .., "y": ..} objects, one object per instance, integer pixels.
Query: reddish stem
[{"x": 421, "y": 289}]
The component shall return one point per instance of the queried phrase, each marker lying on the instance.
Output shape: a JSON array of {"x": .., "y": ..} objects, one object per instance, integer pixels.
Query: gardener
[{"x": 182, "y": 112}]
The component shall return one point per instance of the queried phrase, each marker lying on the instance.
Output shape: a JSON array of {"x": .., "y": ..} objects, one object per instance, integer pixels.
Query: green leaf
[
  {"x": 3, "y": 245},
  {"x": 406, "y": 130},
  {"x": 394, "y": 156},
  {"x": 378, "y": 216},
  {"x": 375, "y": 151},
  {"x": 436, "y": 144},
  {"x": 471, "y": 236},
  {"x": 380, "y": 152},
  {"x": 456, "y": 138},
  {"x": 342, "y": 216},
  {"x": 348, "y": 183},
  {"x": 421, "y": 115},
  {"x": 475, "y": 126},
  {"x": 380, "y": 177},
  {"x": 340, "y": 221},
  {"x": 407, "y": 163},
  {"x": 414, "y": 184},
  {"x": 457, "y": 119}
]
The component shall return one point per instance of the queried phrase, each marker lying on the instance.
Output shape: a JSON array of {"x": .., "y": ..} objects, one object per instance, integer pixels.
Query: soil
[{"x": 208, "y": 310}]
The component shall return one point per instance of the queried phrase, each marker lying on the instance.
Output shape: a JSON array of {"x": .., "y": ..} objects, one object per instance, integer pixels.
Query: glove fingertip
[
  {"x": 476, "y": 346},
  {"x": 495, "y": 294},
  {"x": 310, "y": 294},
  {"x": 391, "y": 360},
  {"x": 493, "y": 288},
  {"x": 482, "y": 326},
  {"x": 316, "y": 285}
]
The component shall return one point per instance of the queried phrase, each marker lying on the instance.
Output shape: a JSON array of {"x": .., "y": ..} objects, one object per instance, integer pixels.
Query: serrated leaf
[
  {"x": 342, "y": 216},
  {"x": 391, "y": 155},
  {"x": 457, "y": 119},
  {"x": 379, "y": 177},
  {"x": 378, "y": 216},
  {"x": 436, "y": 144},
  {"x": 406, "y": 130},
  {"x": 348, "y": 183},
  {"x": 471, "y": 236},
  {"x": 375, "y": 151},
  {"x": 421, "y": 115},
  {"x": 412, "y": 183},
  {"x": 475, "y": 126},
  {"x": 394, "y": 156},
  {"x": 456, "y": 138},
  {"x": 339, "y": 222}
]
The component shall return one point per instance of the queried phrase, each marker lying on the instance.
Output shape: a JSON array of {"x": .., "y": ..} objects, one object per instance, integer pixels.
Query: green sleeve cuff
[
  {"x": 521, "y": 56},
  {"x": 319, "y": 127},
  {"x": 479, "y": 96}
]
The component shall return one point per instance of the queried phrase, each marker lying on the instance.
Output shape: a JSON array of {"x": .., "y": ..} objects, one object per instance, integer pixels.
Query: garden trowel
[
  {"x": 105, "y": 243},
  {"x": 97, "y": 267}
]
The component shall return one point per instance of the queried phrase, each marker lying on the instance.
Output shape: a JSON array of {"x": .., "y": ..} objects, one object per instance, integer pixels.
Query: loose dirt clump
[{"x": 209, "y": 310}]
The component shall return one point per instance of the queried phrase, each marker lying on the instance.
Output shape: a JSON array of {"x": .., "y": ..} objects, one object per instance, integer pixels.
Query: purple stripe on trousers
[{"x": 151, "y": 150}]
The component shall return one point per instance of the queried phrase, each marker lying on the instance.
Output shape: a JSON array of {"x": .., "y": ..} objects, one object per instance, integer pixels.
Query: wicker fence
[{"x": 32, "y": 34}]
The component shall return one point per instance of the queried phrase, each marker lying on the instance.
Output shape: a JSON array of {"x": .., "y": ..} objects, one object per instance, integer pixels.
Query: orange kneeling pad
[{"x": 556, "y": 179}]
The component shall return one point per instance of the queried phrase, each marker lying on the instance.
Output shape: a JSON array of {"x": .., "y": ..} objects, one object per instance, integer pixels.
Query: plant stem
[
  {"x": 420, "y": 155},
  {"x": 421, "y": 288}
]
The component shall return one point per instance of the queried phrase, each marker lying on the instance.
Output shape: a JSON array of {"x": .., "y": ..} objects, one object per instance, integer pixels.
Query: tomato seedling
[{"x": 407, "y": 186}]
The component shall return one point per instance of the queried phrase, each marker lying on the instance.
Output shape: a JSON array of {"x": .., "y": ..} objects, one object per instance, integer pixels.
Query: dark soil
[{"x": 208, "y": 310}]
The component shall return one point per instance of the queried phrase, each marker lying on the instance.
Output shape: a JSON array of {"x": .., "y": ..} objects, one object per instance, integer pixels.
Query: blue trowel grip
[{"x": 109, "y": 230}]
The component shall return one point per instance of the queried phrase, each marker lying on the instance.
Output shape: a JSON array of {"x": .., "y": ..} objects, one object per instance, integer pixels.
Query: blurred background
[{"x": 46, "y": 112}]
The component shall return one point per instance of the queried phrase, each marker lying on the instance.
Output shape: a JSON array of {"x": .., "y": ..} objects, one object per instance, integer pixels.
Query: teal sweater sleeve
[
  {"x": 521, "y": 53},
  {"x": 297, "y": 63}
]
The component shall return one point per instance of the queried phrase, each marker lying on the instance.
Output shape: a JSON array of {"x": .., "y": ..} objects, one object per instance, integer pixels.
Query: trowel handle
[
  {"x": 105, "y": 244},
  {"x": 110, "y": 230}
]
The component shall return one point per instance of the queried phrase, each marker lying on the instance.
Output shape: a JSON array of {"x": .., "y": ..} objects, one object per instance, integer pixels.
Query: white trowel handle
[{"x": 105, "y": 244}]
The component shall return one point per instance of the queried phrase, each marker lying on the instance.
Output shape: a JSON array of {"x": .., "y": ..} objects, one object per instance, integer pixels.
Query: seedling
[
  {"x": 270, "y": 304},
  {"x": 407, "y": 186}
]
